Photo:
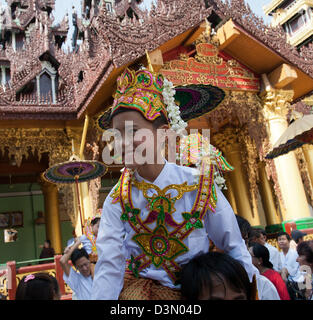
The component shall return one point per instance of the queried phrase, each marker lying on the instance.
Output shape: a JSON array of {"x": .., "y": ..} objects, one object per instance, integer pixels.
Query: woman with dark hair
[
  {"x": 260, "y": 258},
  {"x": 305, "y": 258},
  {"x": 38, "y": 286},
  {"x": 46, "y": 252},
  {"x": 215, "y": 276}
]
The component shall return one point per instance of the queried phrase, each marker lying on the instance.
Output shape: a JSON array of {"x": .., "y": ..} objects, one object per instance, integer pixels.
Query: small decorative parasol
[
  {"x": 296, "y": 135},
  {"x": 75, "y": 171}
]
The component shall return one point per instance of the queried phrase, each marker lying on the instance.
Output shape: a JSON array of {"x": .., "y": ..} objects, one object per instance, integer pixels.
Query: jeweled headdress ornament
[{"x": 152, "y": 95}]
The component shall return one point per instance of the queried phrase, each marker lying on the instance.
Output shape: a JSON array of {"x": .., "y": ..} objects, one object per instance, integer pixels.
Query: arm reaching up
[{"x": 66, "y": 257}]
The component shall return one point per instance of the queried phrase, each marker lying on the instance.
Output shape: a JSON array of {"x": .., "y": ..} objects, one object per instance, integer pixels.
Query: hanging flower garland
[{"x": 177, "y": 123}]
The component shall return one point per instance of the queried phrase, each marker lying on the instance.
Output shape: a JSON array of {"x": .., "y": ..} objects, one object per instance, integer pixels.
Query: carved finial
[
  {"x": 149, "y": 61},
  {"x": 208, "y": 28}
]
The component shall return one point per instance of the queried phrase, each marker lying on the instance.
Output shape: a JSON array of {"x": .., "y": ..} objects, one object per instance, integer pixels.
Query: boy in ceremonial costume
[{"x": 159, "y": 215}]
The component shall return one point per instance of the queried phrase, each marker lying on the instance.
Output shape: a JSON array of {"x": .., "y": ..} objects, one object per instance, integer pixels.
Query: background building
[
  {"x": 296, "y": 18},
  {"x": 48, "y": 96}
]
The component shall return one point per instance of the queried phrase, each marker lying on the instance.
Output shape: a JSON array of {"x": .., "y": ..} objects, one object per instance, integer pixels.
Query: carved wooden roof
[{"x": 110, "y": 43}]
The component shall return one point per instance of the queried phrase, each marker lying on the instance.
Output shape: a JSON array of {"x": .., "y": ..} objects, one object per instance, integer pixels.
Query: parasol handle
[
  {"x": 83, "y": 141},
  {"x": 78, "y": 200}
]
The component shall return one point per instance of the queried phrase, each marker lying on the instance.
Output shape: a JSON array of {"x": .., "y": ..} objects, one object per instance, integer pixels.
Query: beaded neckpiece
[{"x": 160, "y": 246}]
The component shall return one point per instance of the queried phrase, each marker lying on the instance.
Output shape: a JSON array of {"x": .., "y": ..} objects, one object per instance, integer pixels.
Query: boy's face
[
  {"x": 283, "y": 242},
  {"x": 134, "y": 131}
]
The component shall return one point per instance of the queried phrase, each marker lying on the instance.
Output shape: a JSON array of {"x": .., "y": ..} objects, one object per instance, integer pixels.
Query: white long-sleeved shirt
[
  {"x": 289, "y": 261},
  {"x": 80, "y": 285},
  {"x": 115, "y": 244},
  {"x": 274, "y": 257}
]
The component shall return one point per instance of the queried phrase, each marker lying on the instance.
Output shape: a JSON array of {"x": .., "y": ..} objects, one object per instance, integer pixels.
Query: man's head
[
  {"x": 80, "y": 260},
  {"x": 257, "y": 236},
  {"x": 95, "y": 225},
  {"x": 298, "y": 235},
  {"x": 47, "y": 244},
  {"x": 244, "y": 227},
  {"x": 283, "y": 239}
]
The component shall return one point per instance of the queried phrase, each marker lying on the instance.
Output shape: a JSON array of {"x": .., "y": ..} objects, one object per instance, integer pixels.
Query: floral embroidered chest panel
[{"x": 165, "y": 219}]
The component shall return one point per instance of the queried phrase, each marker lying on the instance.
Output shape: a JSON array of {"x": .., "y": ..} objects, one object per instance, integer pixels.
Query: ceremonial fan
[{"x": 75, "y": 171}]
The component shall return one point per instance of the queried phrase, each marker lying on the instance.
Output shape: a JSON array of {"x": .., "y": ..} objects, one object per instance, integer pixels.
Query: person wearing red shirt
[{"x": 260, "y": 259}]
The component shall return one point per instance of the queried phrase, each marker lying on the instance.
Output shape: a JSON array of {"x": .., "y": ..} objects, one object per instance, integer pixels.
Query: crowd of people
[{"x": 214, "y": 275}]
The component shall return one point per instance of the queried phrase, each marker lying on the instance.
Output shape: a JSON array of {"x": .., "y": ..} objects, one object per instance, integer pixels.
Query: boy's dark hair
[
  {"x": 260, "y": 251},
  {"x": 244, "y": 226},
  {"x": 94, "y": 221},
  {"x": 77, "y": 254},
  {"x": 282, "y": 233},
  {"x": 199, "y": 272},
  {"x": 158, "y": 122},
  {"x": 49, "y": 242},
  {"x": 42, "y": 287},
  {"x": 305, "y": 248}
]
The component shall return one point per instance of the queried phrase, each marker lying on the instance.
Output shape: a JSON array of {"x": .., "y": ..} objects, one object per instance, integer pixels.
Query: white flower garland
[{"x": 177, "y": 123}]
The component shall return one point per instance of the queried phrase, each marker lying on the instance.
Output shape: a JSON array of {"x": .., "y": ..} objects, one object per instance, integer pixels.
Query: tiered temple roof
[{"x": 42, "y": 81}]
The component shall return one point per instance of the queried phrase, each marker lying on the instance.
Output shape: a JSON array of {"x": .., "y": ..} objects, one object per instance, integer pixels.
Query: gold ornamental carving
[
  {"x": 19, "y": 142},
  {"x": 227, "y": 141},
  {"x": 277, "y": 103}
]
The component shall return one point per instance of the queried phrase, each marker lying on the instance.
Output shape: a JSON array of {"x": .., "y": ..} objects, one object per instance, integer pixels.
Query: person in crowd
[
  {"x": 288, "y": 256},
  {"x": 305, "y": 260},
  {"x": 260, "y": 258},
  {"x": 297, "y": 237},
  {"x": 245, "y": 228},
  {"x": 47, "y": 251},
  {"x": 245, "y": 231},
  {"x": 137, "y": 227},
  {"x": 88, "y": 239},
  {"x": 259, "y": 235},
  {"x": 81, "y": 279},
  {"x": 215, "y": 276},
  {"x": 38, "y": 286},
  {"x": 266, "y": 290}
]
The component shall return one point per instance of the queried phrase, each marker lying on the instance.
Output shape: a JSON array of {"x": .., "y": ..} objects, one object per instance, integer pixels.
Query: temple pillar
[
  {"x": 52, "y": 217},
  {"x": 308, "y": 155},
  {"x": 229, "y": 144},
  {"x": 266, "y": 191},
  {"x": 276, "y": 103}
]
